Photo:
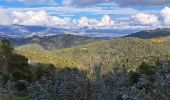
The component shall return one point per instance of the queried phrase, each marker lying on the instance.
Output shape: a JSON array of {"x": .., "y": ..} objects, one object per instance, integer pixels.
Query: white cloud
[
  {"x": 53, "y": 20},
  {"x": 106, "y": 21},
  {"x": 41, "y": 17},
  {"x": 31, "y": 18},
  {"x": 165, "y": 13},
  {"x": 146, "y": 19},
  {"x": 84, "y": 21},
  {"x": 5, "y": 18}
]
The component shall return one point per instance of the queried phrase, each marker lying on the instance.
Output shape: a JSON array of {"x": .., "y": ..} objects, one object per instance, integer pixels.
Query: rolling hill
[
  {"x": 148, "y": 34},
  {"x": 129, "y": 52},
  {"x": 54, "y": 41}
]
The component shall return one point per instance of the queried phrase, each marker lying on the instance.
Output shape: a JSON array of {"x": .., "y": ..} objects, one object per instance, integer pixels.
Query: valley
[
  {"x": 84, "y": 53},
  {"x": 82, "y": 60},
  {"x": 84, "y": 49}
]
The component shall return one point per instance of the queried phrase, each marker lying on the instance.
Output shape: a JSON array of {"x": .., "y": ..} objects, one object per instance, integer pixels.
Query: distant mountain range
[
  {"x": 18, "y": 31},
  {"x": 148, "y": 34},
  {"x": 29, "y": 31},
  {"x": 56, "y": 38},
  {"x": 75, "y": 50},
  {"x": 109, "y": 53}
]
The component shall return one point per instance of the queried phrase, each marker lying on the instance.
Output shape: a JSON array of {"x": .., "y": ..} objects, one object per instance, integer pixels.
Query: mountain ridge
[
  {"x": 148, "y": 34},
  {"x": 28, "y": 31}
]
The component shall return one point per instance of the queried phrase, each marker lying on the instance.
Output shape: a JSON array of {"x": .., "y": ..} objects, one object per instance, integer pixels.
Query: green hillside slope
[{"x": 129, "y": 52}]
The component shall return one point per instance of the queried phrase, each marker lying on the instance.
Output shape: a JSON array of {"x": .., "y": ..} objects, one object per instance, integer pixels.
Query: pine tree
[{"x": 39, "y": 90}]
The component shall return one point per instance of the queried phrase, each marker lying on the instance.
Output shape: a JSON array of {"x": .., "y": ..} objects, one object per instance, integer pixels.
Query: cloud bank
[
  {"x": 105, "y": 21},
  {"x": 139, "y": 20},
  {"x": 30, "y": 18},
  {"x": 165, "y": 13},
  {"x": 146, "y": 19}
]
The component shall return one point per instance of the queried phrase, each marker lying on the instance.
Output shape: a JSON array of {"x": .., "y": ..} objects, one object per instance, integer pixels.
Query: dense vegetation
[
  {"x": 14, "y": 69},
  {"x": 117, "y": 69},
  {"x": 147, "y": 83},
  {"x": 150, "y": 81},
  {"x": 109, "y": 53}
]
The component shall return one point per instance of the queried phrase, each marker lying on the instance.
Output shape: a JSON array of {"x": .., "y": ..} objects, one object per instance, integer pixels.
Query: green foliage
[
  {"x": 65, "y": 84},
  {"x": 18, "y": 60},
  {"x": 134, "y": 77},
  {"x": 126, "y": 68},
  {"x": 5, "y": 48},
  {"x": 20, "y": 98},
  {"x": 146, "y": 69},
  {"x": 44, "y": 70},
  {"x": 6, "y": 51},
  {"x": 13, "y": 64},
  {"x": 21, "y": 75},
  {"x": 129, "y": 52},
  {"x": 73, "y": 84},
  {"x": 19, "y": 68},
  {"x": 37, "y": 54},
  {"x": 5, "y": 78}
]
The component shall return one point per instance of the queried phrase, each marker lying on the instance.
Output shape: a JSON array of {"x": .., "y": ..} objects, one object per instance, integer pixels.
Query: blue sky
[
  {"x": 59, "y": 3},
  {"x": 118, "y": 14}
]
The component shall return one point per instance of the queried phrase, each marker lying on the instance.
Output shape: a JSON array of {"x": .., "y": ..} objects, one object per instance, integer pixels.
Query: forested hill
[
  {"x": 125, "y": 66},
  {"x": 148, "y": 34},
  {"x": 109, "y": 53},
  {"x": 54, "y": 41},
  {"x": 22, "y": 80},
  {"x": 67, "y": 41}
]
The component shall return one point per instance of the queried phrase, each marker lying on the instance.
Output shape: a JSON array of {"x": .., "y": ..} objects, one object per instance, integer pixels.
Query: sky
[{"x": 115, "y": 14}]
